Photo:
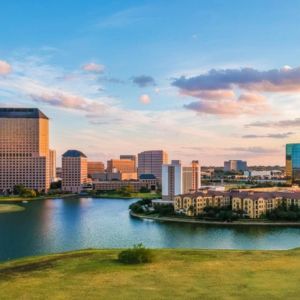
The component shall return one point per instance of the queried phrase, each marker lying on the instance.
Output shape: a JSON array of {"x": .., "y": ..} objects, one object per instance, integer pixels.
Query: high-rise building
[
  {"x": 130, "y": 157},
  {"x": 74, "y": 171},
  {"x": 52, "y": 165},
  {"x": 24, "y": 149},
  {"x": 121, "y": 165},
  {"x": 150, "y": 162},
  {"x": 235, "y": 165},
  {"x": 292, "y": 165},
  {"x": 95, "y": 167},
  {"x": 191, "y": 177},
  {"x": 171, "y": 180}
]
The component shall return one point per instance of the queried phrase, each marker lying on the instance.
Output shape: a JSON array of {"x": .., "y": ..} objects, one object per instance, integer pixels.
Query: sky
[{"x": 207, "y": 80}]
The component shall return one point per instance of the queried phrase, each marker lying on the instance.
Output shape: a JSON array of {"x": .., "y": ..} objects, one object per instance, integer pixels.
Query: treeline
[
  {"x": 145, "y": 206},
  {"x": 284, "y": 213}
]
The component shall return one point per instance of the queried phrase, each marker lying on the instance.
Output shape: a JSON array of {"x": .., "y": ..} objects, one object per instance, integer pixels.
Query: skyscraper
[
  {"x": 292, "y": 165},
  {"x": 24, "y": 149},
  {"x": 74, "y": 171},
  {"x": 150, "y": 162},
  {"x": 171, "y": 180},
  {"x": 191, "y": 177}
]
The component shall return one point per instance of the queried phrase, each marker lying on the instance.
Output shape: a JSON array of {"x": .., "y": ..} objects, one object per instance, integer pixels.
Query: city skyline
[{"x": 129, "y": 78}]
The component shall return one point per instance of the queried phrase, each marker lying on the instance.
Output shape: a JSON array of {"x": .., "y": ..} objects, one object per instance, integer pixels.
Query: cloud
[
  {"x": 253, "y": 150},
  {"x": 221, "y": 86},
  {"x": 271, "y": 135},
  {"x": 145, "y": 99},
  {"x": 276, "y": 80},
  {"x": 66, "y": 100},
  {"x": 93, "y": 67},
  {"x": 143, "y": 81},
  {"x": 251, "y": 98},
  {"x": 228, "y": 107},
  {"x": 5, "y": 67},
  {"x": 281, "y": 123}
]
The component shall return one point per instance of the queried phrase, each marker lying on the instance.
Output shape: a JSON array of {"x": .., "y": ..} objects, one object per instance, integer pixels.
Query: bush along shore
[{"x": 281, "y": 216}]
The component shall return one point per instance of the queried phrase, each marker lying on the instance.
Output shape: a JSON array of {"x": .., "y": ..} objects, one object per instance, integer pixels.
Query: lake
[{"x": 58, "y": 225}]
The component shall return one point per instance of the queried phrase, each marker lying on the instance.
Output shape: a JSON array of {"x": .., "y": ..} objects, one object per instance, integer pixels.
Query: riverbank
[
  {"x": 10, "y": 208},
  {"x": 146, "y": 196},
  {"x": 21, "y": 199},
  {"x": 174, "y": 274},
  {"x": 204, "y": 222}
]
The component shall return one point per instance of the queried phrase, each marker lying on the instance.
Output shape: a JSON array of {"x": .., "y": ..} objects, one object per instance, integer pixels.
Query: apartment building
[
  {"x": 251, "y": 204},
  {"x": 194, "y": 204},
  {"x": 24, "y": 149}
]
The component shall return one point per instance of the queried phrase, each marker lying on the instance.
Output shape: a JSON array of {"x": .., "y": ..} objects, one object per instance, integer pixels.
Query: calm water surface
[{"x": 59, "y": 225}]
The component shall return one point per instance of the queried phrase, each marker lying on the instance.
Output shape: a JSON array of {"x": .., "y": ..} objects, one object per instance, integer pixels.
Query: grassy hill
[{"x": 175, "y": 274}]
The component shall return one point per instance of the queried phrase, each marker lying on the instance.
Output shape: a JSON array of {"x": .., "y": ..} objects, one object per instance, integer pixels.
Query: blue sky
[{"x": 108, "y": 73}]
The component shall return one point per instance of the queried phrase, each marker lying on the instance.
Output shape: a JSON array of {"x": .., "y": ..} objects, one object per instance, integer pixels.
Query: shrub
[{"x": 136, "y": 255}]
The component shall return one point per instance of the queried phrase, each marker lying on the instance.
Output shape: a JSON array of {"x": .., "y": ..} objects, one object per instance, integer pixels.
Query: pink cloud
[
  {"x": 5, "y": 67},
  {"x": 251, "y": 98},
  {"x": 65, "y": 100},
  {"x": 145, "y": 99},
  {"x": 93, "y": 67},
  {"x": 210, "y": 94}
]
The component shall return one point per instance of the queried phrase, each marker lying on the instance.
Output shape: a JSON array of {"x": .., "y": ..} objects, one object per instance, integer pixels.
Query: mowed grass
[{"x": 175, "y": 274}]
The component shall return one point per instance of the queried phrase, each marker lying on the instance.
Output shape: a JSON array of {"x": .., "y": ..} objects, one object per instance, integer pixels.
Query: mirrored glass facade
[{"x": 293, "y": 162}]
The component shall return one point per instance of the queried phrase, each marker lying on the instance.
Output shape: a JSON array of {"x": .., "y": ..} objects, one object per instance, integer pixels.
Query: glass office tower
[{"x": 292, "y": 164}]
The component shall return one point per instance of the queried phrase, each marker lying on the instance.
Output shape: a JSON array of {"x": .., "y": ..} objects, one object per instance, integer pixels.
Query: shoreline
[
  {"x": 21, "y": 199},
  {"x": 203, "y": 222}
]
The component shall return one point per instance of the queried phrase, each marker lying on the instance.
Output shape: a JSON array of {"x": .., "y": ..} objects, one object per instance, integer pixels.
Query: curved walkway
[{"x": 235, "y": 223}]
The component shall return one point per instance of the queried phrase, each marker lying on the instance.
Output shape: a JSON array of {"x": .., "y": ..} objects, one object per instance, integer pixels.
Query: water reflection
[{"x": 61, "y": 225}]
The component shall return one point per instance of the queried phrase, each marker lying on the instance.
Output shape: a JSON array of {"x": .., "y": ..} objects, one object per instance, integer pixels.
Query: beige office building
[
  {"x": 24, "y": 149},
  {"x": 52, "y": 165},
  {"x": 121, "y": 165},
  {"x": 191, "y": 177},
  {"x": 150, "y": 162},
  {"x": 95, "y": 167},
  {"x": 74, "y": 171},
  {"x": 130, "y": 157}
]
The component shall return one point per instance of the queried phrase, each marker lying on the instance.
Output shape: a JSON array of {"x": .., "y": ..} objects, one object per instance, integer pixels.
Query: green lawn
[
  {"x": 8, "y": 208},
  {"x": 175, "y": 274}
]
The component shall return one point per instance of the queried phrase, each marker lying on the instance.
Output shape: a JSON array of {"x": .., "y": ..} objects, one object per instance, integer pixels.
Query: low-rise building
[
  {"x": 117, "y": 185},
  {"x": 251, "y": 204}
]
